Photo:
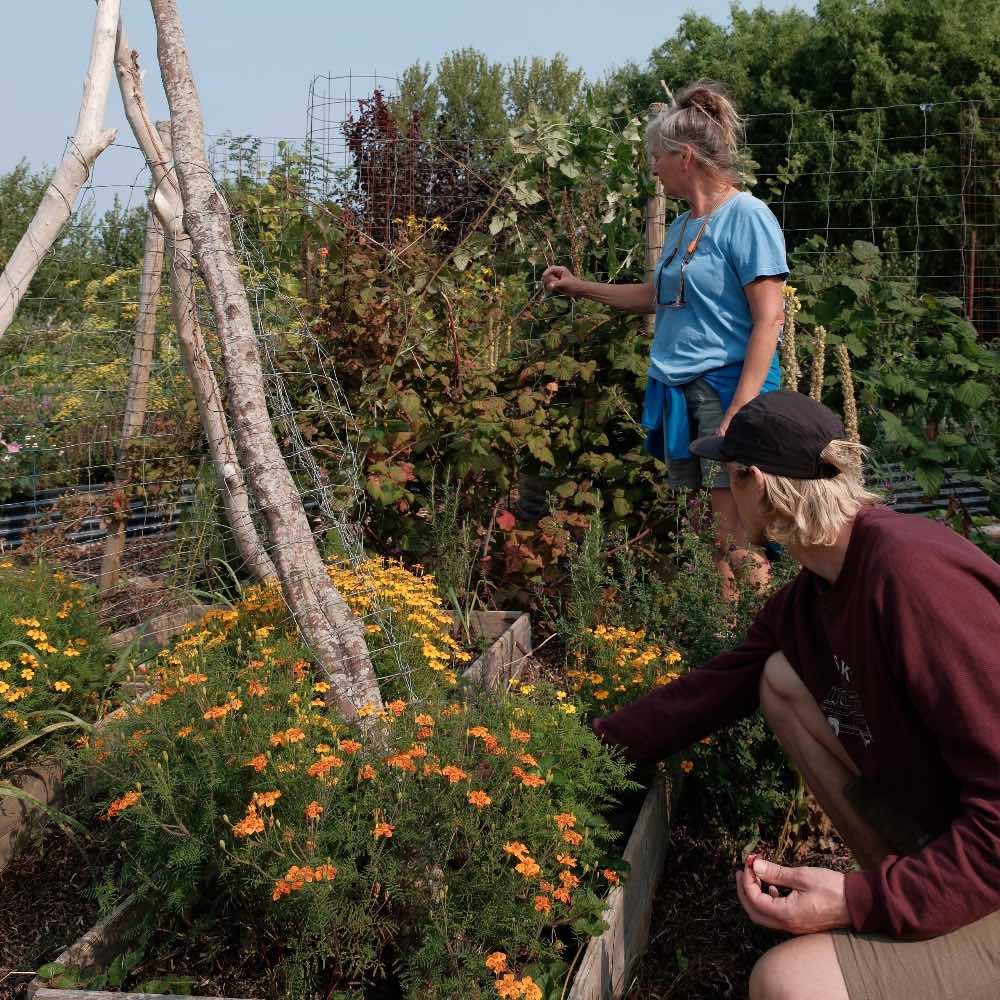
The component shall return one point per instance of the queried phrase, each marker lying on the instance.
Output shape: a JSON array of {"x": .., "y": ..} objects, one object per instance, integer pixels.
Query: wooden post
[
  {"x": 86, "y": 144},
  {"x": 324, "y": 618},
  {"x": 138, "y": 389},
  {"x": 656, "y": 227}
]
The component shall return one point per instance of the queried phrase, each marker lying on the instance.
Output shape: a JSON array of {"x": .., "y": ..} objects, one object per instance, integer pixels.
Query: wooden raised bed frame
[{"x": 603, "y": 967}]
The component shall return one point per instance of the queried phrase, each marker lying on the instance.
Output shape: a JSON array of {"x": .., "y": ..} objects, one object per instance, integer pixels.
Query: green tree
[{"x": 550, "y": 84}]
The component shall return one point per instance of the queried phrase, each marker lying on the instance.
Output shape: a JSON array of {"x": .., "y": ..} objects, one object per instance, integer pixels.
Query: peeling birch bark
[
  {"x": 138, "y": 388},
  {"x": 154, "y": 140},
  {"x": 87, "y": 143},
  {"x": 324, "y": 619}
]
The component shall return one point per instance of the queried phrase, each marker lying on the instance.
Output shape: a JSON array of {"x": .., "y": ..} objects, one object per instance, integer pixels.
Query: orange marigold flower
[
  {"x": 128, "y": 800},
  {"x": 572, "y": 837},
  {"x": 349, "y": 746},
  {"x": 324, "y": 764},
  {"x": 266, "y": 799},
  {"x": 257, "y": 690},
  {"x": 528, "y": 868},
  {"x": 258, "y": 763},
  {"x": 327, "y": 872},
  {"x": 479, "y": 798},
  {"x": 562, "y": 895},
  {"x": 564, "y": 820},
  {"x": 611, "y": 876},
  {"x": 313, "y": 810},
  {"x": 453, "y": 774},
  {"x": 184, "y": 731},
  {"x": 481, "y": 731},
  {"x": 397, "y": 707},
  {"x": 194, "y": 679},
  {"x": 383, "y": 830},
  {"x": 532, "y": 780},
  {"x": 424, "y": 720},
  {"x": 687, "y": 766},
  {"x": 402, "y": 761},
  {"x": 542, "y": 904},
  {"x": 527, "y": 759},
  {"x": 566, "y": 859},
  {"x": 496, "y": 962},
  {"x": 493, "y": 747},
  {"x": 366, "y": 773},
  {"x": 508, "y": 988},
  {"x": 416, "y": 751},
  {"x": 425, "y": 732},
  {"x": 517, "y": 849},
  {"x": 519, "y": 735},
  {"x": 568, "y": 879},
  {"x": 250, "y": 824}
]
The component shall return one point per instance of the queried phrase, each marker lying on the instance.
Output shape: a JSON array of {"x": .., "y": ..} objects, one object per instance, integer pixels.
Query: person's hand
[
  {"x": 817, "y": 902},
  {"x": 560, "y": 279}
]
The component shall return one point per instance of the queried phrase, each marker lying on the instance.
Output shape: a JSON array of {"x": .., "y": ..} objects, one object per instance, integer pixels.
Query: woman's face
[{"x": 671, "y": 167}]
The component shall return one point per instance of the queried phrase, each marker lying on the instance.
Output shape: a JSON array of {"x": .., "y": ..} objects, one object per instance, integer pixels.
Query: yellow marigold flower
[
  {"x": 37, "y": 634},
  {"x": 27, "y": 674},
  {"x": 479, "y": 798},
  {"x": 496, "y": 962},
  {"x": 567, "y": 708},
  {"x": 128, "y": 800},
  {"x": 5, "y": 665},
  {"x": 673, "y": 657},
  {"x": 542, "y": 904},
  {"x": 600, "y": 695},
  {"x": 61, "y": 686},
  {"x": 70, "y": 651},
  {"x": 321, "y": 687},
  {"x": 383, "y": 830},
  {"x": 322, "y": 748},
  {"x": 258, "y": 763},
  {"x": 313, "y": 810},
  {"x": 687, "y": 766}
]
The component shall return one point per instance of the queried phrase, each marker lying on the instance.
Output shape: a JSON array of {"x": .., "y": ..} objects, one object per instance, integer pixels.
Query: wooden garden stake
[
  {"x": 326, "y": 622},
  {"x": 87, "y": 143}
]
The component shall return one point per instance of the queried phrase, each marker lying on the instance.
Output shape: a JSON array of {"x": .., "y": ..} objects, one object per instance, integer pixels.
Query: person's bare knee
[{"x": 804, "y": 968}]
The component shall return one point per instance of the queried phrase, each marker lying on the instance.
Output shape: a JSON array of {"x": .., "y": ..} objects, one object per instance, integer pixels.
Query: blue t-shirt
[{"x": 742, "y": 242}]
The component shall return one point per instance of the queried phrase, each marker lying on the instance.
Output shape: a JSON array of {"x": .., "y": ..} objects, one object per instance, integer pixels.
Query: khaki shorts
[{"x": 962, "y": 965}]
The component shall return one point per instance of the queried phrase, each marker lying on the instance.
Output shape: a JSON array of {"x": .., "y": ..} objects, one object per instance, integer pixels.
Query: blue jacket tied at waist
[{"x": 675, "y": 433}]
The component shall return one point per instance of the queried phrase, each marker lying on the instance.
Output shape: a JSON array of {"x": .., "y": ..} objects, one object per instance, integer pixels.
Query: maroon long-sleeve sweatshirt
[{"x": 902, "y": 654}]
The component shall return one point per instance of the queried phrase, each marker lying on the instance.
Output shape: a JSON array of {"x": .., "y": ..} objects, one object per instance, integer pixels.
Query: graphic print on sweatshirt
[{"x": 843, "y": 710}]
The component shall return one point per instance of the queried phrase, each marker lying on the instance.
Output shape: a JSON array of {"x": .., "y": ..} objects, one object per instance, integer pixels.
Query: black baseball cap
[{"x": 781, "y": 432}]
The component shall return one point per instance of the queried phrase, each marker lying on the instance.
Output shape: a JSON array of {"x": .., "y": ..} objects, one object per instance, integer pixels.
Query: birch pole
[
  {"x": 324, "y": 619},
  {"x": 87, "y": 143},
  {"x": 154, "y": 140}
]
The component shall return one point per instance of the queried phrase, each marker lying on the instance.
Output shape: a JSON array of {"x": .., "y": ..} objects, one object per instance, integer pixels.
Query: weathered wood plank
[
  {"x": 603, "y": 970},
  {"x": 504, "y": 660},
  {"x": 44, "y": 782}
]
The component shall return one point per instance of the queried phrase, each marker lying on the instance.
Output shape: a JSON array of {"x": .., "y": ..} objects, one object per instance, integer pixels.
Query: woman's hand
[
  {"x": 817, "y": 901},
  {"x": 561, "y": 280}
]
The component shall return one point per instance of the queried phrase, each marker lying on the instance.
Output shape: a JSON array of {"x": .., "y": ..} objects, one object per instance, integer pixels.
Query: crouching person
[{"x": 878, "y": 668}]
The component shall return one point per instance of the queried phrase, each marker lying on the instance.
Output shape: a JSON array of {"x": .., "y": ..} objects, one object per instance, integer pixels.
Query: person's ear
[{"x": 758, "y": 480}]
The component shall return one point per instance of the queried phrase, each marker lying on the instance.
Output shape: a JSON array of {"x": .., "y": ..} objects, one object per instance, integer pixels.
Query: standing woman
[{"x": 717, "y": 295}]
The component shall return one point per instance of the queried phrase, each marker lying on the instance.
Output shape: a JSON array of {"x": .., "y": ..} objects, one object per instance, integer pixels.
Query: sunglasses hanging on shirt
[{"x": 692, "y": 247}]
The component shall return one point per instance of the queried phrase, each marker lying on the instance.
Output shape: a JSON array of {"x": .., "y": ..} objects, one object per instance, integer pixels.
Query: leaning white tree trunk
[
  {"x": 324, "y": 619},
  {"x": 155, "y": 144},
  {"x": 138, "y": 389},
  {"x": 86, "y": 144}
]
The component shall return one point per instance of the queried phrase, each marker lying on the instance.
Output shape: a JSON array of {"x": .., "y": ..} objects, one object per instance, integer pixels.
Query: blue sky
[{"x": 253, "y": 60}]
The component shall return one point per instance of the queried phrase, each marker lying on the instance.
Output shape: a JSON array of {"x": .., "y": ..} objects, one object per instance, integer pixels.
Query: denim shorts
[{"x": 705, "y": 415}]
